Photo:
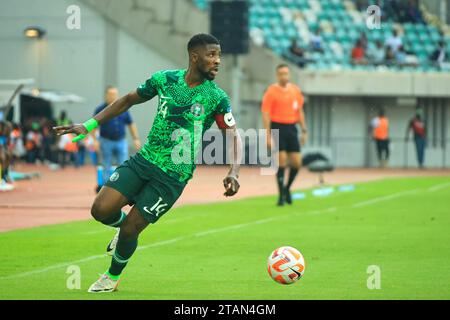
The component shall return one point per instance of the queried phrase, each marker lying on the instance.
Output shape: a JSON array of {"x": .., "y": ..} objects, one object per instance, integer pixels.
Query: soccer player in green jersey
[{"x": 153, "y": 179}]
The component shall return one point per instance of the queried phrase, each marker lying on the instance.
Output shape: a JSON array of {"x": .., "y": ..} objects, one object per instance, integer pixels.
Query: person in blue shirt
[{"x": 112, "y": 135}]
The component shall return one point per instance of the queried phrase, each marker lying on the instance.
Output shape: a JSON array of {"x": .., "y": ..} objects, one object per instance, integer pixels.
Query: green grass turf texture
[{"x": 405, "y": 234}]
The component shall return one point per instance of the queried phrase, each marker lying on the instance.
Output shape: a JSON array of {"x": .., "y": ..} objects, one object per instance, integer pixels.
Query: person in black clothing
[
  {"x": 438, "y": 56},
  {"x": 297, "y": 54},
  {"x": 417, "y": 125}
]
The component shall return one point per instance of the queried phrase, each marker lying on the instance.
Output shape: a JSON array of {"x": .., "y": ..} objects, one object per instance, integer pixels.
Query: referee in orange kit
[{"x": 282, "y": 109}]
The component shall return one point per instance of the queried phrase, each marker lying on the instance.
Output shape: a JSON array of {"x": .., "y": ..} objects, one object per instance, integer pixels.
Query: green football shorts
[{"x": 149, "y": 188}]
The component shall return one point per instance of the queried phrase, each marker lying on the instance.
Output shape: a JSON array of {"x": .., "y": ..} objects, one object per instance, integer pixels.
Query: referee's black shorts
[{"x": 288, "y": 137}]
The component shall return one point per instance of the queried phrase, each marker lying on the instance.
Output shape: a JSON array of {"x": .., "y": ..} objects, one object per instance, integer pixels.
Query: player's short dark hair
[
  {"x": 201, "y": 39},
  {"x": 282, "y": 65}
]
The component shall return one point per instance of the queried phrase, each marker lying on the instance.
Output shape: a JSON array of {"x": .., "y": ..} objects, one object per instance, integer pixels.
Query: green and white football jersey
[{"x": 184, "y": 114}]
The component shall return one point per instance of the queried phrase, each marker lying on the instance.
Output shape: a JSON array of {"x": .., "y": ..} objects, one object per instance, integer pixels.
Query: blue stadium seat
[{"x": 421, "y": 39}]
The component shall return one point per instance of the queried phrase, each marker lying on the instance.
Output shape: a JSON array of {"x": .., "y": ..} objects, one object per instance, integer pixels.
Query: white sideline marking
[
  {"x": 439, "y": 187},
  {"x": 97, "y": 231},
  {"x": 55, "y": 266},
  {"x": 66, "y": 264},
  {"x": 152, "y": 245},
  {"x": 385, "y": 198},
  {"x": 332, "y": 209},
  {"x": 236, "y": 226},
  {"x": 176, "y": 220},
  {"x": 207, "y": 232},
  {"x": 161, "y": 243}
]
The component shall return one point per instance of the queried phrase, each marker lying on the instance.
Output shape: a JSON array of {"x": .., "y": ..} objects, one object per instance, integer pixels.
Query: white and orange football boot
[{"x": 104, "y": 284}]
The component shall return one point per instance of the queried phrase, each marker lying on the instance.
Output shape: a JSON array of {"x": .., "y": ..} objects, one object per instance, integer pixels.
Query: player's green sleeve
[
  {"x": 90, "y": 125},
  {"x": 224, "y": 105},
  {"x": 149, "y": 88}
]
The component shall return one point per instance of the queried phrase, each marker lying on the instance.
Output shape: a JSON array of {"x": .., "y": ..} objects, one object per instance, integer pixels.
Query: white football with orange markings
[{"x": 286, "y": 265}]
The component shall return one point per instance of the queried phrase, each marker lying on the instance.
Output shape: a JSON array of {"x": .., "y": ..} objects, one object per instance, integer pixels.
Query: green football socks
[
  {"x": 122, "y": 254},
  {"x": 115, "y": 220}
]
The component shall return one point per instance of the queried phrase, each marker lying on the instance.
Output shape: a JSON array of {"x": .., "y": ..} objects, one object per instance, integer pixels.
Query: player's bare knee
[
  {"x": 95, "y": 211},
  {"x": 98, "y": 210},
  {"x": 296, "y": 166}
]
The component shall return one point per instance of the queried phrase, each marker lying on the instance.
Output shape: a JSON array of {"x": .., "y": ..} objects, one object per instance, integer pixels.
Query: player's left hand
[{"x": 231, "y": 185}]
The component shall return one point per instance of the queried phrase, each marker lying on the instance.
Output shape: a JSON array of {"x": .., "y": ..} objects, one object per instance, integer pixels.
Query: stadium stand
[{"x": 275, "y": 23}]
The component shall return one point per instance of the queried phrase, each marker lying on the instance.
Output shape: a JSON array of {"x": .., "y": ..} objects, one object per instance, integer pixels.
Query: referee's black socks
[
  {"x": 292, "y": 174},
  {"x": 280, "y": 182}
]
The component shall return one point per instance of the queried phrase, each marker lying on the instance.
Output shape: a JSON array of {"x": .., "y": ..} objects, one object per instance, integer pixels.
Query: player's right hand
[{"x": 77, "y": 129}]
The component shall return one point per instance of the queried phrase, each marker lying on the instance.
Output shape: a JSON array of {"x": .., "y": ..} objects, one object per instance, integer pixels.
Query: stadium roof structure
[{"x": 55, "y": 96}]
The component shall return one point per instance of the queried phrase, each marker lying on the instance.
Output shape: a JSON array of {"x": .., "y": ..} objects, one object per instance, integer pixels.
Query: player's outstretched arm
[
  {"x": 113, "y": 110},
  {"x": 234, "y": 150}
]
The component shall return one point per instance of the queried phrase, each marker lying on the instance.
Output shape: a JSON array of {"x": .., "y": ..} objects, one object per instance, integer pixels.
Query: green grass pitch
[{"x": 219, "y": 251}]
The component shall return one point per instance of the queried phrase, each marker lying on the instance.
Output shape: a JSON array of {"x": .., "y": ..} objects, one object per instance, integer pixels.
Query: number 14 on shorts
[{"x": 158, "y": 208}]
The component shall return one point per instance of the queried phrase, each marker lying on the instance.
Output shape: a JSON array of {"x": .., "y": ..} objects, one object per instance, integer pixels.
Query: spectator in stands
[
  {"x": 5, "y": 156},
  {"x": 358, "y": 54},
  {"x": 63, "y": 120},
  {"x": 81, "y": 153},
  {"x": 89, "y": 146},
  {"x": 364, "y": 40},
  {"x": 295, "y": 49},
  {"x": 387, "y": 9},
  {"x": 67, "y": 150},
  {"x": 48, "y": 140},
  {"x": 377, "y": 54},
  {"x": 33, "y": 143},
  {"x": 400, "y": 56},
  {"x": 412, "y": 13},
  {"x": 113, "y": 142},
  {"x": 393, "y": 9},
  {"x": 92, "y": 148},
  {"x": 317, "y": 41},
  {"x": 17, "y": 147},
  {"x": 389, "y": 57},
  {"x": 406, "y": 58},
  {"x": 394, "y": 42},
  {"x": 418, "y": 128},
  {"x": 439, "y": 55},
  {"x": 362, "y": 5},
  {"x": 297, "y": 53},
  {"x": 380, "y": 133}
]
